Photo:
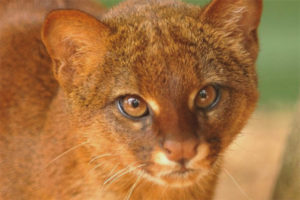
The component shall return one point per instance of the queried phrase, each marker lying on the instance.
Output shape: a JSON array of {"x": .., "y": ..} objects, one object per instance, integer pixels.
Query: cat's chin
[{"x": 175, "y": 178}]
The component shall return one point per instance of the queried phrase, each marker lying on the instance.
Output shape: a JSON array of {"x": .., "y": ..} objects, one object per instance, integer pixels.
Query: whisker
[
  {"x": 116, "y": 174},
  {"x": 130, "y": 170},
  {"x": 201, "y": 187},
  {"x": 121, "y": 173},
  {"x": 113, "y": 169},
  {"x": 100, "y": 156},
  {"x": 237, "y": 185},
  {"x": 97, "y": 166},
  {"x": 94, "y": 168},
  {"x": 133, "y": 187},
  {"x": 65, "y": 152}
]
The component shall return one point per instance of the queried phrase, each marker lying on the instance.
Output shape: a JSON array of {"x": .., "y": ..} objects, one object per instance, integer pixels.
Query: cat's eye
[
  {"x": 133, "y": 106},
  {"x": 207, "y": 97}
]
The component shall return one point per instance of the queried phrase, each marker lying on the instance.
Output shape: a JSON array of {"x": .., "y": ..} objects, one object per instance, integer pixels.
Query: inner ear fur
[
  {"x": 243, "y": 13},
  {"x": 76, "y": 43},
  {"x": 232, "y": 16}
]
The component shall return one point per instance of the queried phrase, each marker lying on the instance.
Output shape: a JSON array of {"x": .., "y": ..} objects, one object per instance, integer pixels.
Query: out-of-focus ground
[{"x": 254, "y": 159}]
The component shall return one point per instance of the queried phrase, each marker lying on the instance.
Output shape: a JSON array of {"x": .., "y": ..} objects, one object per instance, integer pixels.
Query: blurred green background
[{"x": 278, "y": 64}]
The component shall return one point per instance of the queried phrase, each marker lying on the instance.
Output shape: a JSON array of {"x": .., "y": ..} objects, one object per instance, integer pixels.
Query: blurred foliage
[{"x": 279, "y": 60}]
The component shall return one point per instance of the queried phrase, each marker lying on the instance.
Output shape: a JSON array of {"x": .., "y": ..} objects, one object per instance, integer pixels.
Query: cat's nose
[{"x": 179, "y": 151}]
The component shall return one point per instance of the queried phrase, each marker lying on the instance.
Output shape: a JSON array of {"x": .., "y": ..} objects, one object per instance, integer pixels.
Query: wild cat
[{"x": 138, "y": 102}]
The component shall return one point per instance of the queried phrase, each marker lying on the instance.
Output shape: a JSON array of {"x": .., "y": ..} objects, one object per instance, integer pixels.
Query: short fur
[{"x": 62, "y": 136}]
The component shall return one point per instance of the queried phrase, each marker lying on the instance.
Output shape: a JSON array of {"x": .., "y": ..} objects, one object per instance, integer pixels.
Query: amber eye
[
  {"x": 133, "y": 106},
  {"x": 208, "y": 97}
]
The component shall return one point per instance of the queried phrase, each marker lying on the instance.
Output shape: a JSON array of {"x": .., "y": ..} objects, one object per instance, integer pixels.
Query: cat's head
[{"x": 159, "y": 87}]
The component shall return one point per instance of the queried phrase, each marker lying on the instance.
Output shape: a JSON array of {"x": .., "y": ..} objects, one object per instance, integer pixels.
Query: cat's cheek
[
  {"x": 208, "y": 153},
  {"x": 135, "y": 137},
  {"x": 103, "y": 135},
  {"x": 226, "y": 119},
  {"x": 216, "y": 116},
  {"x": 241, "y": 111},
  {"x": 111, "y": 148},
  {"x": 200, "y": 160}
]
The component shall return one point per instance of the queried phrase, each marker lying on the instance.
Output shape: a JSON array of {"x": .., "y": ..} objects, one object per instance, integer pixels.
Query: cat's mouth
[
  {"x": 179, "y": 177},
  {"x": 182, "y": 172},
  {"x": 182, "y": 177}
]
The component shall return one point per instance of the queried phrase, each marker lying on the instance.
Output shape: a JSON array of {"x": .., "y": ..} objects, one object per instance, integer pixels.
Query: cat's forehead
[
  {"x": 165, "y": 46},
  {"x": 153, "y": 24},
  {"x": 155, "y": 45},
  {"x": 154, "y": 10}
]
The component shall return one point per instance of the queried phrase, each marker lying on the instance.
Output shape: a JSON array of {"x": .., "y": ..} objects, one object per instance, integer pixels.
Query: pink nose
[{"x": 178, "y": 151}]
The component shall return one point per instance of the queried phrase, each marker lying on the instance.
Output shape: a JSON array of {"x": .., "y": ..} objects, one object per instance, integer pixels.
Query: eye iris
[
  {"x": 133, "y": 106},
  {"x": 207, "y": 97}
]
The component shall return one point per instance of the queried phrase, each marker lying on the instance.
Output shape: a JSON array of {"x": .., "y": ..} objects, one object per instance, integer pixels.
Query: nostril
[
  {"x": 173, "y": 150},
  {"x": 168, "y": 150},
  {"x": 177, "y": 151}
]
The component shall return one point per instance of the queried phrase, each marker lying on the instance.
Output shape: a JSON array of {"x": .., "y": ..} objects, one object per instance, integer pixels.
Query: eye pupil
[
  {"x": 134, "y": 102},
  {"x": 203, "y": 94}
]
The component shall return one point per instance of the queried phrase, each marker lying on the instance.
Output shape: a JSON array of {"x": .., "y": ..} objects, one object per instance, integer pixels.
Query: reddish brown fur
[{"x": 160, "y": 50}]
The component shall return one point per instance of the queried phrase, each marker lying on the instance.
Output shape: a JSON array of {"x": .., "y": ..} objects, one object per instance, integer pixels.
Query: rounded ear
[
  {"x": 243, "y": 13},
  {"x": 76, "y": 43},
  {"x": 233, "y": 16}
]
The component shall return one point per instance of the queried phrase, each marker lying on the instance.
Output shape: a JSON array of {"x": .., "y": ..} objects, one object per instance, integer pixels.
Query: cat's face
[{"x": 166, "y": 97}]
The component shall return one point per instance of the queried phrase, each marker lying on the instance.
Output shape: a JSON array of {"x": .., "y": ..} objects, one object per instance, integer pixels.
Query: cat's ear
[
  {"x": 244, "y": 13},
  {"x": 76, "y": 43},
  {"x": 235, "y": 15}
]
